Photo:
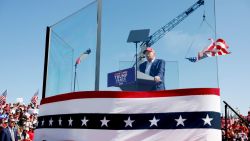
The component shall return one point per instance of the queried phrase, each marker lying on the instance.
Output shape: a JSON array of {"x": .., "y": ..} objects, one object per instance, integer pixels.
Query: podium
[
  {"x": 126, "y": 80},
  {"x": 143, "y": 82},
  {"x": 130, "y": 79}
]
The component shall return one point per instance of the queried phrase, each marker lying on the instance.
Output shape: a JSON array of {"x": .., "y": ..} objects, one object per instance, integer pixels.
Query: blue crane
[{"x": 168, "y": 27}]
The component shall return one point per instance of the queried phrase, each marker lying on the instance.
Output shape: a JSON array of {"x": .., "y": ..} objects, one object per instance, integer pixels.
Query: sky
[{"x": 22, "y": 44}]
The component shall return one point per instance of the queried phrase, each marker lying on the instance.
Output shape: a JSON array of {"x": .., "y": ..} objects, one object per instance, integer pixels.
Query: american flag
[
  {"x": 82, "y": 56},
  {"x": 217, "y": 48},
  {"x": 3, "y": 98},
  {"x": 34, "y": 98},
  {"x": 171, "y": 115}
]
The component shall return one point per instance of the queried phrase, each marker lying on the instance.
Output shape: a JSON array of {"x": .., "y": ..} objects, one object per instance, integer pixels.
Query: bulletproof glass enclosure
[{"x": 181, "y": 30}]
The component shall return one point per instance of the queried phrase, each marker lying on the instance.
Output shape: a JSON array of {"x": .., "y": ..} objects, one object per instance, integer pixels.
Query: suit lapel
[
  {"x": 144, "y": 67},
  {"x": 8, "y": 132}
]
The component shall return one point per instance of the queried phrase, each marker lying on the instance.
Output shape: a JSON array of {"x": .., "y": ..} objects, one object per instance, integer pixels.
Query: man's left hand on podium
[{"x": 157, "y": 79}]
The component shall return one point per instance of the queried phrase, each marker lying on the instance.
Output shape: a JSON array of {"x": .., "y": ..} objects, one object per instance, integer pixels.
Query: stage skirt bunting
[{"x": 180, "y": 115}]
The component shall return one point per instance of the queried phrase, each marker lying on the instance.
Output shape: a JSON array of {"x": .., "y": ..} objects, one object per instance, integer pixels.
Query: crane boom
[{"x": 168, "y": 27}]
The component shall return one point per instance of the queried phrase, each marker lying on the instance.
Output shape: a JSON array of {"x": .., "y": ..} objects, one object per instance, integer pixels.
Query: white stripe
[
  {"x": 133, "y": 105},
  {"x": 221, "y": 45},
  {"x": 127, "y": 135},
  {"x": 83, "y": 56}
]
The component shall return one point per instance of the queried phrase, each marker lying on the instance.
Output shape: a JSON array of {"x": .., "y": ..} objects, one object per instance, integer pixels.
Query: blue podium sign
[{"x": 122, "y": 77}]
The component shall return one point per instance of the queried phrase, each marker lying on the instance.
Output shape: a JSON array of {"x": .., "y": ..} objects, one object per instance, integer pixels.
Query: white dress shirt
[
  {"x": 148, "y": 67},
  {"x": 12, "y": 133}
]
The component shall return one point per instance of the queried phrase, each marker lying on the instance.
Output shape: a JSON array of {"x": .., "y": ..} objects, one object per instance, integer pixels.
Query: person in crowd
[
  {"x": 248, "y": 117},
  {"x": 19, "y": 133},
  {"x": 25, "y": 136},
  {"x": 1, "y": 127},
  {"x": 10, "y": 132},
  {"x": 31, "y": 132}
]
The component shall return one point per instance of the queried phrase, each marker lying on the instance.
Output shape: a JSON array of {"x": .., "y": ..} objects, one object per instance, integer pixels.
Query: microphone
[
  {"x": 141, "y": 57},
  {"x": 87, "y": 51}
]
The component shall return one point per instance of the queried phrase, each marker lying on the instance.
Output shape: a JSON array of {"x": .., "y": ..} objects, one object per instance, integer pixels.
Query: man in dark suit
[
  {"x": 10, "y": 132},
  {"x": 155, "y": 68}
]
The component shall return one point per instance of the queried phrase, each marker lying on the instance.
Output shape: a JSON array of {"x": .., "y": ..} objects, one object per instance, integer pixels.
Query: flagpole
[
  {"x": 78, "y": 61},
  {"x": 98, "y": 45},
  {"x": 75, "y": 78}
]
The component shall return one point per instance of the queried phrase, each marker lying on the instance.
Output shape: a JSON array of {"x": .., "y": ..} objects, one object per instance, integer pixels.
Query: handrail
[
  {"x": 244, "y": 120},
  {"x": 228, "y": 106}
]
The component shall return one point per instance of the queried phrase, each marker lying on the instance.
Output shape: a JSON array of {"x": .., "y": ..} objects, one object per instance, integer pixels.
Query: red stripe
[
  {"x": 224, "y": 43},
  {"x": 210, "y": 48},
  {"x": 78, "y": 60},
  {"x": 224, "y": 51},
  {"x": 218, "y": 47},
  {"x": 213, "y": 53},
  {"x": 127, "y": 94}
]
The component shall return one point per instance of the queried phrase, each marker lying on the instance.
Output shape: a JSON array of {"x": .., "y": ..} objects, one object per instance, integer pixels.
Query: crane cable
[
  {"x": 203, "y": 21},
  {"x": 194, "y": 38}
]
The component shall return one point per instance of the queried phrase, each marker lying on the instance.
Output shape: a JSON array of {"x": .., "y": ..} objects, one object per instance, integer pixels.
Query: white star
[
  {"x": 180, "y": 121},
  {"x": 154, "y": 121},
  {"x": 207, "y": 120},
  {"x": 42, "y": 122},
  {"x": 70, "y": 121},
  {"x": 50, "y": 121},
  {"x": 129, "y": 122},
  {"x": 84, "y": 121},
  {"x": 60, "y": 121},
  {"x": 104, "y": 122}
]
